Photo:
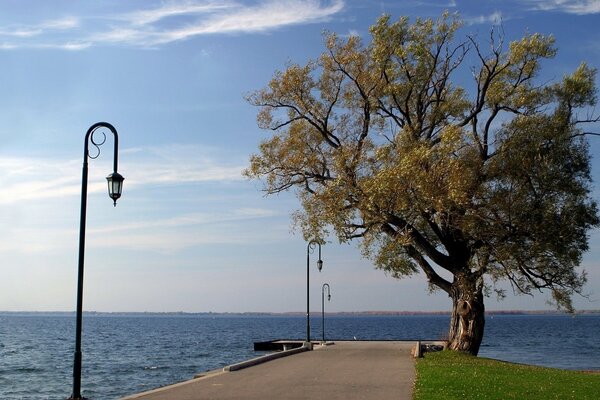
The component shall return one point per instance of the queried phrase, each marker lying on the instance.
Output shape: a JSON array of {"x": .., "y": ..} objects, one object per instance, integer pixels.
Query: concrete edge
[
  {"x": 198, "y": 377},
  {"x": 263, "y": 359},
  {"x": 217, "y": 372},
  {"x": 421, "y": 346},
  {"x": 323, "y": 344}
]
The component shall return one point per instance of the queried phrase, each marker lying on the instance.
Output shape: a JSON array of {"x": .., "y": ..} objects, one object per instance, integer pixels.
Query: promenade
[{"x": 342, "y": 371}]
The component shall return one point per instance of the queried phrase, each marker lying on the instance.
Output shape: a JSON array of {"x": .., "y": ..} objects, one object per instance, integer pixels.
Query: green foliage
[
  {"x": 491, "y": 180},
  {"x": 451, "y": 375}
]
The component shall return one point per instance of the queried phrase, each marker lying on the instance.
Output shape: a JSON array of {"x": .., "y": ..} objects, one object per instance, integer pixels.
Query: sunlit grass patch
[{"x": 453, "y": 375}]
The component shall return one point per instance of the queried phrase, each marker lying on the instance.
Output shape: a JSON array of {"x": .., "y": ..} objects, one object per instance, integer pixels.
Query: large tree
[{"x": 489, "y": 182}]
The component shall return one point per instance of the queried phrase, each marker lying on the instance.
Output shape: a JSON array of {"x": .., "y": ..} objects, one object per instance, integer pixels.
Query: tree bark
[{"x": 468, "y": 314}]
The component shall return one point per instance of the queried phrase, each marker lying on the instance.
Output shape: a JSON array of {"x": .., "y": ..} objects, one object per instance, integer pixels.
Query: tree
[{"x": 486, "y": 185}]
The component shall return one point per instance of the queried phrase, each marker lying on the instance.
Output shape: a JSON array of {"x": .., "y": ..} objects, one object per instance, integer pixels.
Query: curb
[
  {"x": 263, "y": 359},
  {"x": 198, "y": 377}
]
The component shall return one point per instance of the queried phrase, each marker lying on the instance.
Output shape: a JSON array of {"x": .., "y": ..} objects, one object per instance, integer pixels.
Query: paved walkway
[{"x": 343, "y": 371}]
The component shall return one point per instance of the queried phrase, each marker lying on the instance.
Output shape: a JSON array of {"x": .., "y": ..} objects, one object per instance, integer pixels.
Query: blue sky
[{"x": 189, "y": 233}]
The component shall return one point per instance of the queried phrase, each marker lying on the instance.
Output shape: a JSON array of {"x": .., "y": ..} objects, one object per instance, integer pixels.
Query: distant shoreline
[{"x": 283, "y": 314}]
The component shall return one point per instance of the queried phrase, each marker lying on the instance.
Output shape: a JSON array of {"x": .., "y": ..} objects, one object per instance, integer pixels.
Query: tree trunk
[{"x": 468, "y": 314}]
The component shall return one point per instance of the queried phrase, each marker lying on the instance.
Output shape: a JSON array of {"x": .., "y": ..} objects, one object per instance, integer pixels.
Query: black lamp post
[
  {"x": 309, "y": 249},
  {"x": 323, "y": 306},
  {"x": 115, "y": 187}
]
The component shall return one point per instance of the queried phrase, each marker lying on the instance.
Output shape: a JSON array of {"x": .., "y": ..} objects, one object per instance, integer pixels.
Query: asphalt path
[{"x": 342, "y": 371}]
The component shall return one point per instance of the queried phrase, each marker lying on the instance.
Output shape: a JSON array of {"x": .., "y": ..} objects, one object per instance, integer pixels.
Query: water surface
[{"x": 128, "y": 354}]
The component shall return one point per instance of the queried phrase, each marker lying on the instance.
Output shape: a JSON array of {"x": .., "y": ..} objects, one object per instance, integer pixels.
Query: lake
[{"x": 132, "y": 353}]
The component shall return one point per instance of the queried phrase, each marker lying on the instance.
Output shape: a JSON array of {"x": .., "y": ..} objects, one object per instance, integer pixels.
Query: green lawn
[{"x": 452, "y": 375}]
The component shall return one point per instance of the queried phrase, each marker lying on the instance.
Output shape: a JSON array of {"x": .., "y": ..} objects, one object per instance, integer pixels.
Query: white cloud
[
  {"x": 227, "y": 18},
  {"x": 39, "y": 208},
  {"x": 268, "y": 15},
  {"x": 185, "y": 220},
  {"x": 168, "y": 235},
  {"x": 351, "y": 32},
  {"x": 144, "y": 17},
  {"x": 42, "y": 28},
  {"x": 426, "y": 3},
  {"x": 73, "y": 46},
  {"x": 172, "y": 21},
  {"x": 175, "y": 164},
  {"x": 152, "y": 233},
  {"x": 27, "y": 179},
  {"x": 494, "y": 18},
  {"x": 579, "y": 7},
  {"x": 65, "y": 23}
]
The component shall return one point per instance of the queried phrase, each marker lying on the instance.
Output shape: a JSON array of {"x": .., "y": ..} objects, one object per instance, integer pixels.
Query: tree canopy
[{"x": 488, "y": 180}]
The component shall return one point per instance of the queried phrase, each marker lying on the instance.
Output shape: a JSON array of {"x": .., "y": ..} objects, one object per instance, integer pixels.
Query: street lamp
[
  {"x": 309, "y": 249},
  {"x": 115, "y": 187},
  {"x": 323, "y": 306}
]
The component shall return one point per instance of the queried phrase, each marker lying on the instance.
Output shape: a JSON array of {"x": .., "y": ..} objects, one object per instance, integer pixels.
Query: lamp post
[
  {"x": 309, "y": 249},
  {"x": 115, "y": 187},
  {"x": 323, "y": 306}
]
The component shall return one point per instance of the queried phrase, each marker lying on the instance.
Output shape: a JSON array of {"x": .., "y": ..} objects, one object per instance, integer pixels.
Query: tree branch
[{"x": 433, "y": 277}]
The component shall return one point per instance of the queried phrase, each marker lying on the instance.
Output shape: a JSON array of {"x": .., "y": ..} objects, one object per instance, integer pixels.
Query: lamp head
[
  {"x": 115, "y": 186},
  {"x": 320, "y": 265}
]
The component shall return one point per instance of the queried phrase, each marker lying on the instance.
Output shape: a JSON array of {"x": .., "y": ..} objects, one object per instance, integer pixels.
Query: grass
[{"x": 450, "y": 375}]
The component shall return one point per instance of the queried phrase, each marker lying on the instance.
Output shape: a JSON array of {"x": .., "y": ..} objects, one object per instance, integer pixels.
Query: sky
[{"x": 190, "y": 233}]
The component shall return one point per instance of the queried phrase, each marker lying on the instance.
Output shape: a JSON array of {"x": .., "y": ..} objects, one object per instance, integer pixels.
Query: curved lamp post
[
  {"x": 115, "y": 187},
  {"x": 323, "y": 306},
  {"x": 309, "y": 249}
]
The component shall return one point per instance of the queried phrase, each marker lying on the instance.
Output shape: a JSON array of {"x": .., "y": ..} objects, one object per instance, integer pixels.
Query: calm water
[{"x": 128, "y": 354}]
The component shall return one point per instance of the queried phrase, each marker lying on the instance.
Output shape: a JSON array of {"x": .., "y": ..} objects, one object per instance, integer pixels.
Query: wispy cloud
[
  {"x": 495, "y": 18},
  {"x": 163, "y": 235},
  {"x": 169, "y": 241},
  {"x": 180, "y": 221},
  {"x": 150, "y": 16},
  {"x": 423, "y": 3},
  {"x": 170, "y": 22},
  {"x": 35, "y": 187},
  {"x": 24, "y": 31},
  {"x": 38, "y": 179},
  {"x": 166, "y": 165},
  {"x": 27, "y": 179},
  {"x": 579, "y": 7},
  {"x": 262, "y": 17}
]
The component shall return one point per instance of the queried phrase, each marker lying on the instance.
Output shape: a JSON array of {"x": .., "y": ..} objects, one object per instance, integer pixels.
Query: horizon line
[{"x": 303, "y": 313}]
